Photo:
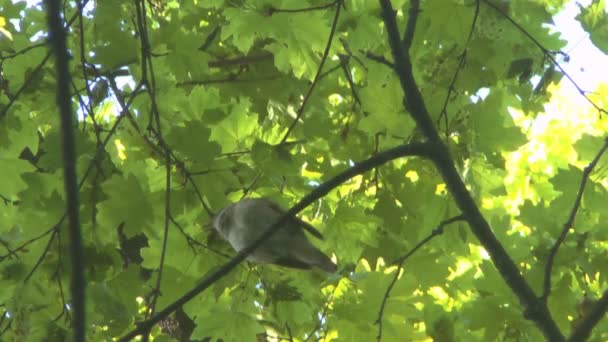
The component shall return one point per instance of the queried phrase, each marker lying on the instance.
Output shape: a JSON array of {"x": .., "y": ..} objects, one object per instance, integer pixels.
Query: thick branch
[
  {"x": 535, "y": 309},
  {"x": 569, "y": 222},
  {"x": 59, "y": 48},
  {"x": 598, "y": 312},
  {"x": 419, "y": 149},
  {"x": 410, "y": 28}
]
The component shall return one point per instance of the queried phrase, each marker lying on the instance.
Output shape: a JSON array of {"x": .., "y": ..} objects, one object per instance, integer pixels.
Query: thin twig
[
  {"x": 22, "y": 51},
  {"x": 436, "y": 232},
  {"x": 163, "y": 253},
  {"x": 378, "y": 59},
  {"x": 349, "y": 78},
  {"x": 461, "y": 63},
  {"x": 548, "y": 54},
  {"x": 273, "y": 10},
  {"x": 332, "y": 32},
  {"x": 319, "y": 323},
  {"x": 55, "y": 232},
  {"x": 36, "y": 70},
  {"x": 193, "y": 242},
  {"x": 569, "y": 222},
  {"x": 64, "y": 307},
  {"x": 26, "y": 243}
]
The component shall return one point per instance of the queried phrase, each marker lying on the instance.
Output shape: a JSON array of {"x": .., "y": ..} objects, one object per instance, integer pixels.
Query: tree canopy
[{"x": 460, "y": 185}]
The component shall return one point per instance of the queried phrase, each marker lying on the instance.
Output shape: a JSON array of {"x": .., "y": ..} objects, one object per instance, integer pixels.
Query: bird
[{"x": 243, "y": 222}]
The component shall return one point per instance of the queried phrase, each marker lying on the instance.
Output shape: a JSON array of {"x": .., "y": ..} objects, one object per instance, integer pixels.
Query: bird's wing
[
  {"x": 308, "y": 227},
  {"x": 297, "y": 221},
  {"x": 224, "y": 220},
  {"x": 292, "y": 262}
]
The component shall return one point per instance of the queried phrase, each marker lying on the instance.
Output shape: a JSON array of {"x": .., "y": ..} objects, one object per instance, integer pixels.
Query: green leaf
[
  {"x": 12, "y": 170},
  {"x": 594, "y": 20},
  {"x": 193, "y": 141},
  {"x": 126, "y": 203},
  {"x": 494, "y": 129},
  {"x": 232, "y": 132}
]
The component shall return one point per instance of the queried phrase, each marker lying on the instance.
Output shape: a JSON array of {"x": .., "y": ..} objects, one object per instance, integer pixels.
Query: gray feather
[{"x": 243, "y": 222}]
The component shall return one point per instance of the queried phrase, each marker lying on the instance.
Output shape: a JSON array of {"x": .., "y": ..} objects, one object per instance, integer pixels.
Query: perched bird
[{"x": 243, "y": 222}]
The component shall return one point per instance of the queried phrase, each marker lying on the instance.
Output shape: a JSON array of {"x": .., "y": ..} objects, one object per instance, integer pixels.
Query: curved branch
[
  {"x": 461, "y": 63},
  {"x": 534, "y": 309},
  {"x": 273, "y": 10},
  {"x": 410, "y": 28},
  {"x": 569, "y": 222},
  {"x": 37, "y": 69},
  {"x": 419, "y": 149},
  {"x": 548, "y": 54},
  {"x": 338, "y": 5},
  {"x": 598, "y": 312},
  {"x": 436, "y": 232}
]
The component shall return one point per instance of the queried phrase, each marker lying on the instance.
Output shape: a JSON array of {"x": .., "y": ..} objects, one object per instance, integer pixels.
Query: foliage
[{"x": 186, "y": 106}]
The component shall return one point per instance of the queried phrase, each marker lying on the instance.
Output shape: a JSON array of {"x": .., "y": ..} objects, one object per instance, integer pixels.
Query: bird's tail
[{"x": 325, "y": 263}]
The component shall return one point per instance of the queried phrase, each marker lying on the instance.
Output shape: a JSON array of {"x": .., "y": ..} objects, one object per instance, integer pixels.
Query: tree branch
[
  {"x": 410, "y": 28},
  {"x": 418, "y": 149},
  {"x": 338, "y": 5},
  {"x": 569, "y": 222},
  {"x": 58, "y": 42},
  {"x": 548, "y": 54},
  {"x": 535, "y": 309},
  {"x": 436, "y": 232},
  {"x": 582, "y": 332},
  {"x": 37, "y": 69},
  {"x": 461, "y": 63}
]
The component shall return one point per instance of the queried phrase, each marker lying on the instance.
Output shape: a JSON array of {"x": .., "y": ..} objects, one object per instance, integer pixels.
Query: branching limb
[
  {"x": 582, "y": 332},
  {"x": 36, "y": 70},
  {"x": 300, "y": 112},
  {"x": 548, "y": 54},
  {"x": 436, "y": 232},
  {"x": 410, "y": 28},
  {"x": 534, "y": 308},
  {"x": 419, "y": 149},
  {"x": 273, "y": 10},
  {"x": 569, "y": 222},
  {"x": 461, "y": 64}
]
